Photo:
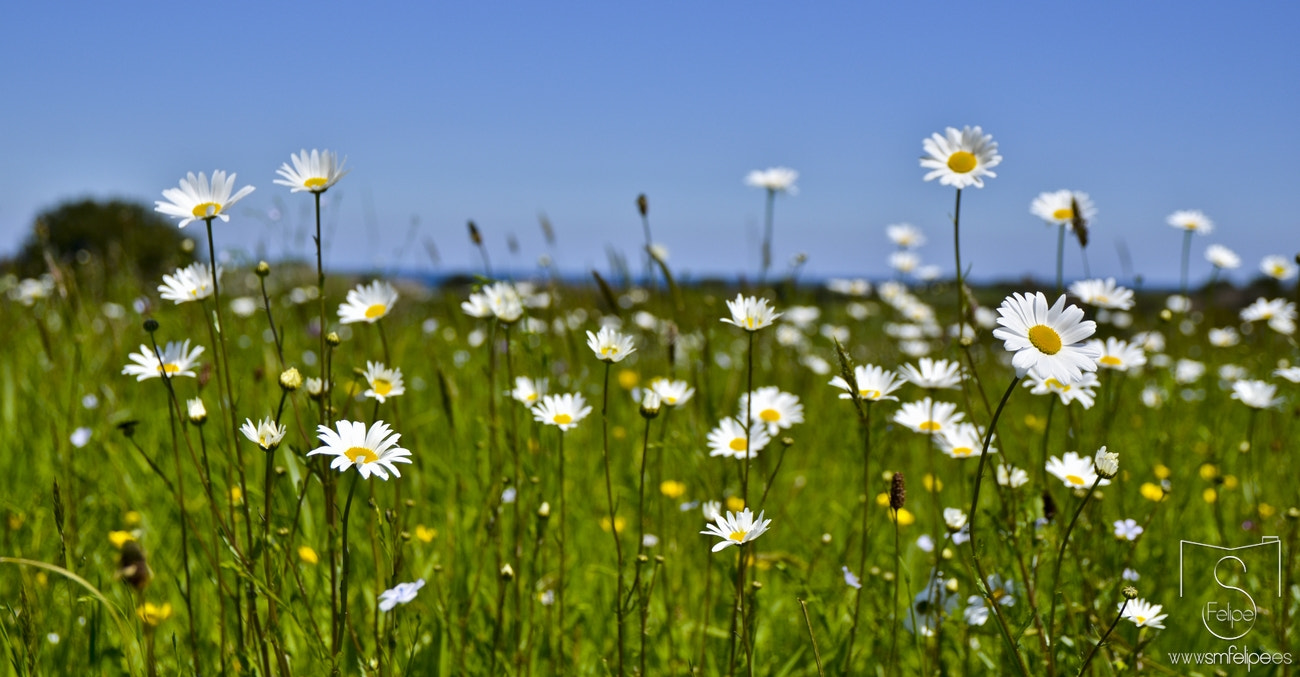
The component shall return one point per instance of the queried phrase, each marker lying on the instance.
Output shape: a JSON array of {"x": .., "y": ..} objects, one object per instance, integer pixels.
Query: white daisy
[
  {"x": 960, "y": 158},
  {"x": 1103, "y": 294},
  {"x": 775, "y": 179},
  {"x": 505, "y": 301},
  {"x": 933, "y": 374},
  {"x": 750, "y": 313},
  {"x": 673, "y": 393},
  {"x": 874, "y": 383},
  {"x": 904, "y": 261},
  {"x": 737, "y": 529},
  {"x": 563, "y": 411},
  {"x": 384, "y": 382},
  {"x": 1082, "y": 390},
  {"x": 905, "y": 235},
  {"x": 928, "y": 417},
  {"x": 527, "y": 390},
  {"x": 773, "y": 408},
  {"x": 368, "y": 303},
  {"x": 399, "y": 594},
  {"x": 1277, "y": 267},
  {"x": 1223, "y": 337},
  {"x": 177, "y": 360},
  {"x": 1012, "y": 477},
  {"x": 266, "y": 433},
  {"x": 1256, "y": 394},
  {"x": 1193, "y": 220},
  {"x": 1221, "y": 257},
  {"x": 1118, "y": 354},
  {"x": 1279, "y": 313},
  {"x": 198, "y": 413},
  {"x": 1046, "y": 339},
  {"x": 372, "y": 451},
  {"x": 1057, "y": 207},
  {"x": 1143, "y": 613},
  {"x": 609, "y": 345},
  {"x": 964, "y": 440},
  {"x": 191, "y": 283},
  {"x": 199, "y": 200},
  {"x": 729, "y": 439},
  {"x": 1291, "y": 374},
  {"x": 314, "y": 172},
  {"x": 1077, "y": 472}
]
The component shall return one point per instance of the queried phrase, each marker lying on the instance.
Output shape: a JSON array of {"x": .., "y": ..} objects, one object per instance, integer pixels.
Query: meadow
[{"x": 635, "y": 476}]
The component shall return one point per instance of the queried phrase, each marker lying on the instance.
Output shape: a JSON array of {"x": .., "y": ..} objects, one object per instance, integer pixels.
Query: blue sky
[{"x": 500, "y": 111}]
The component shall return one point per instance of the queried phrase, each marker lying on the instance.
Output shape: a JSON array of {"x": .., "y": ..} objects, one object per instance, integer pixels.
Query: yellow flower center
[
  {"x": 1140, "y": 619},
  {"x": 1110, "y": 361},
  {"x": 929, "y": 426},
  {"x": 962, "y": 451},
  {"x": 961, "y": 162},
  {"x": 607, "y": 351},
  {"x": 563, "y": 419},
  {"x": 206, "y": 210},
  {"x": 1075, "y": 480},
  {"x": 376, "y": 310},
  {"x": 362, "y": 453},
  {"x": 382, "y": 386},
  {"x": 1190, "y": 225},
  {"x": 749, "y": 322},
  {"x": 869, "y": 394},
  {"x": 1053, "y": 384},
  {"x": 531, "y": 397},
  {"x": 738, "y": 536},
  {"x": 1045, "y": 339},
  {"x": 314, "y": 182},
  {"x": 170, "y": 368},
  {"x": 770, "y": 415},
  {"x": 1063, "y": 214},
  {"x": 670, "y": 400},
  {"x": 739, "y": 444}
]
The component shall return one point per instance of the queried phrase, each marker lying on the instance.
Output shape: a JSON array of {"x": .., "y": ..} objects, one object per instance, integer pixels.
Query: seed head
[{"x": 897, "y": 491}]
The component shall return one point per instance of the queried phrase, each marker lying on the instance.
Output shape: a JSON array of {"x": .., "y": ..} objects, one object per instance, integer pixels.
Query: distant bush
[{"x": 124, "y": 235}]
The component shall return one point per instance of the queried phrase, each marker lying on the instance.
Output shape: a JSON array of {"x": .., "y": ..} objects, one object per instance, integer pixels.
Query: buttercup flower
[
  {"x": 1103, "y": 294},
  {"x": 399, "y": 594},
  {"x": 1056, "y": 208},
  {"x": 177, "y": 360},
  {"x": 610, "y": 345},
  {"x": 1194, "y": 220},
  {"x": 199, "y": 200},
  {"x": 737, "y": 529},
  {"x": 960, "y": 158},
  {"x": 750, "y": 313},
  {"x": 564, "y": 411},
  {"x": 775, "y": 179},
  {"x": 314, "y": 172},
  {"x": 372, "y": 451},
  {"x": 384, "y": 382},
  {"x": 368, "y": 303},
  {"x": 266, "y": 433},
  {"x": 191, "y": 283},
  {"x": 1046, "y": 339},
  {"x": 874, "y": 383}
]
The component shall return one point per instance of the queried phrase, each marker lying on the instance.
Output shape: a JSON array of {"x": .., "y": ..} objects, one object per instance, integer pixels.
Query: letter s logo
[{"x": 1232, "y": 622}]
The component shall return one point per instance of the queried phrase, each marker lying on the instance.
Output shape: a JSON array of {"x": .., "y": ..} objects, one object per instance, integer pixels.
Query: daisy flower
[
  {"x": 775, "y": 179},
  {"x": 199, "y": 200},
  {"x": 1223, "y": 337},
  {"x": 1127, "y": 529},
  {"x": 372, "y": 451},
  {"x": 1046, "y": 339},
  {"x": 777, "y": 410},
  {"x": 368, "y": 303},
  {"x": 177, "y": 360},
  {"x": 1143, "y": 613},
  {"x": 737, "y": 529},
  {"x": 1221, "y": 257},
  {"x": 905, "y": 235},
  {"x": 1082, "y": 390},
  {"x": 1002, "y": 592},
  {"x": 932, "y": 374},
  {"x": 750, "y": 313},
  {"x": 1106, "y": 463},
  {"x": 1056, "y": 207},
  {"x": 1279, "y": 313},
  {"x": 904, "y": 261},
  {"x": 1193, "y": 220},
  {"x": 960, "y": 158},
  {"x": 399, "y": 594},
  {"x": 1291, "y": 374},
  {"x": 564, "y": 411},
  {"x": 729, "y": 439},
  {"x": 1077, "y": 472},
  {"x": 610, "y": 345},
  {"x": 191, "y": 283},
  {"x": 477, "y": 305},
  {"x": 266, "y": 433},
  {"x": 1277, "y": 267},
  {"x": 505, "y": 301},
  {"x": 963, "y": 440},
  {"x": 384, "y": 382},
  {"x": 528, "y": 390},
  {"x": 673, "y": 393},
  {"x": 314, "y": 172},
  {"x": 1118, "y": 354},
  {"x": 1012, "y": 477},
  {"x": 1256, "y": 394},
  {"x": 1103, "y": 294},
  {"x": 928, "y": 417},
  {"x": 198, "y": 413},
  {"x": 874, "y": 383}
]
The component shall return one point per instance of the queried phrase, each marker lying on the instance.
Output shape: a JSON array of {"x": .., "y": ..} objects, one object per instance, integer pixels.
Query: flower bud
[
  {"x": 333, "y": 339},
  {"x": 1130, "y": 592},
  {"x": 263, "y": 269},
  {"x": 507, "y": 572},
  {"x": 290, "y": 379}
]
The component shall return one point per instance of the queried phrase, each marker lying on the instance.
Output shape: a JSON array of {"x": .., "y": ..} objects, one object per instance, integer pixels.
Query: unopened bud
[
  {"x": 333, "y": 339},
  {"x": 151, "y": 325},
  {"x": 643, "y": 205},
  {"x": 507, "y": 572},
  {"x": 1130, "y": 592},
  {"x": 544, "y": 510},
  {"x": 474, "y": 235},
  {"x": 263, "y": 269},
  {"x": 290, "y": 379}
]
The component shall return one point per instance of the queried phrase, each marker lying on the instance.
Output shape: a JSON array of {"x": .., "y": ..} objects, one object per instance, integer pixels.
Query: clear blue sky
[{"x": 498, "y": 111}]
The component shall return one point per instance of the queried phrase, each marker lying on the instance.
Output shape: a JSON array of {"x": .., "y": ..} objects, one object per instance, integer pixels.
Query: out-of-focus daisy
[
  {"x": 672, "y": 392},
  {"x": 372, "y": 451},
  {"x": 314, "y": 172},
  {"x": 399, "y": 594},
  {"x": 737, "y": 529},
  {"x": 1056, "y": 207},
  {"x": 368, "y": 303},
  {"x": 477, "y": 305},
  {"x": 960, "y": 158},
  {"x": 775, "y": 179},
  {"x": 1106, "y": 463},
  {"x": 501, "y": 300},
  {"x": 1143, "y": 613},
  {"x": 1188, "y": 371},
  {"x": 1082, "y": 390},
  {"x": 1077, "y": 472},
  {"x": 1130, "y": 574},
  {"x": 1046, "y": 339},
  {"x": 31, "y": 290},
  {"x": 528, "y": 390},
  {"x": 1003, "y": 593},
  {"x": 850, "y": 579},
  {"x": 384, "y": 382},
  {"x": 1277, "y": 267},
  {"x": 729, "y": 439},
  {"x": 1118, "y": 354},
  {"x": 1103, "y": 294},
  {"x": 198, "y": 414},
  {"x": 1256, "y": 394},
  {"x": 858, "y": 287},
  {"x": 750, "y": 313},
  {"x": 1291, "y": 374},
  {"x": 266, "y": 433},
  {"x": 1221, "y": 257},
  {"x": 563, "y": 411},
  {"x": 1223, "y": 337},
  {"x": 1011, "y": 476},
  {"x": 712, "y": 510},
  {"x": 775, "y": 409},
  {"x": 933, "y": 603},
  {"x": 874, "y": 383},
  {"x": 1279, "y": 313},
  {"x": 609, "y": 345},
  {"x": 1193, "y": 220},
  {"x": 904, "y": 261},
  {"x": 177, "y": 360},
  {"x": 964, "y": 440},
  {"x": 197, "y": 199},
  {"x": 928, "y": 417},
  {"x": 802, "y": 316},
  {"x": 191, "y": 283},
  {"x": 932, "y": 374},
  {"x": 905, "y": 235},
  {"x": 1127, "y": 529}
]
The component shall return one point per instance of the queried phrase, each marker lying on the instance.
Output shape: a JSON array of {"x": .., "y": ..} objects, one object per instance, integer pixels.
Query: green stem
[
  {"x": 1093, "y": 651},
  {"x": 613, "y": 520},
  {"x": 1056, "y": 571}
]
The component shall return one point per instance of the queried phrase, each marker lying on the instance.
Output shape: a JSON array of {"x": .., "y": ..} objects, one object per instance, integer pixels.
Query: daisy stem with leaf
[
  {"x": 1102, "y": 640},
  {"x": 1187, "y": 252},
  {"x": 320, "y": 296},
  {"x": 613, "y": 519},
  {"x": 1056, "y": 570},
  {"x": 1060, "y": 259},
  {"x": 341, "y": 608},
  {"x": 956, "y": 248},
  {"x": 767, "y": 235}
]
